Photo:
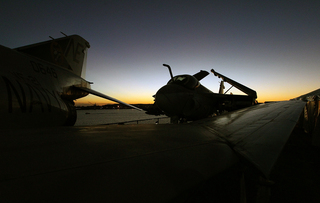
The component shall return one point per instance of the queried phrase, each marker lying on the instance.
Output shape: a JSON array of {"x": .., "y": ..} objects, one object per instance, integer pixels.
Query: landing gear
[
  {"x": 177, "y": 120},
  {"x": 72, "y": 113}
]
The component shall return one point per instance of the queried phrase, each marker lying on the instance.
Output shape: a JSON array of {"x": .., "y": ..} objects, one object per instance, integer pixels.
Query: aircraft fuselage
[
  {"x": 36, "y": 92},
  {"x": 183, "y": 97}
]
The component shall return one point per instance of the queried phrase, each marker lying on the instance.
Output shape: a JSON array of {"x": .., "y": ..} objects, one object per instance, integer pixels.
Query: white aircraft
[
  {"x": 39, "y": 83},
  {"x": 127, "y": 163}
]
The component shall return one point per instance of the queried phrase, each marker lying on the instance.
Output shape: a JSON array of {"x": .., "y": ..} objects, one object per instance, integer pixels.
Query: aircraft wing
[
  {"x": 258, "y": 133},
  {"x": 309, "y": 96},
  {"x": 140, "y": 163},
  {"x": 90, "y": 91}
]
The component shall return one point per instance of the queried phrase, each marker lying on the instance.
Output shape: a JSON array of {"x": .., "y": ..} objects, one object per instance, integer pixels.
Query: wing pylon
[{"x": 96, "y": 93}]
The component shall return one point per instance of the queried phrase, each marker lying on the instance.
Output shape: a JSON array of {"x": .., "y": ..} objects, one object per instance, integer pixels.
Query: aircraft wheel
[{"x": 72, "y": 113}]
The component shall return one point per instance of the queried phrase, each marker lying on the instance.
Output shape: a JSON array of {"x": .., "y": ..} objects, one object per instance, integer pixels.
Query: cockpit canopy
[{"x": 187, "y": 81}]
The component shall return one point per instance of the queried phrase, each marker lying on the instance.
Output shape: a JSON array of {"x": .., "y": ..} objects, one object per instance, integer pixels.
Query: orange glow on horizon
[{"x": 91, "y": 100}]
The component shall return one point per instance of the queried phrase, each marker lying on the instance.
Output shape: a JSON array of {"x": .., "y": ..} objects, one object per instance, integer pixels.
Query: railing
[{"x": 164, "y": 120}]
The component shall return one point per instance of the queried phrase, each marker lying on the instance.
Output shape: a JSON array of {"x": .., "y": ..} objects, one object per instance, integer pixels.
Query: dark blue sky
[{"x": 270, "y": 46}]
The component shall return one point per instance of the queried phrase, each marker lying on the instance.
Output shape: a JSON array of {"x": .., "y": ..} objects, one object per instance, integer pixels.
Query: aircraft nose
[{"x": 172, "y": 99}]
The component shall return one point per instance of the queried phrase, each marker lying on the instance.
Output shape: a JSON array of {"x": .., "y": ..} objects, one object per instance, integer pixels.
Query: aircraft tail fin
[{"x": 69, "y": 52}]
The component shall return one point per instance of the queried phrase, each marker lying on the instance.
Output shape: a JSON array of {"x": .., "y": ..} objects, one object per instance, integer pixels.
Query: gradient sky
[{"x": 272, "y": 47}]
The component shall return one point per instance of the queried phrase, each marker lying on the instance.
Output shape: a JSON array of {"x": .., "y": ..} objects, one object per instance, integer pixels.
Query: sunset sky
[{"x": 272, "y": 47}]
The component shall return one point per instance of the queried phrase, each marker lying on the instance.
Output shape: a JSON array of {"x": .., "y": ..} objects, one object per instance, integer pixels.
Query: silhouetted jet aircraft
[
  {"x": 184, "y": 98},
  {"x": 134, "y": 163},
  {"x": 39, "y": 82}
]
